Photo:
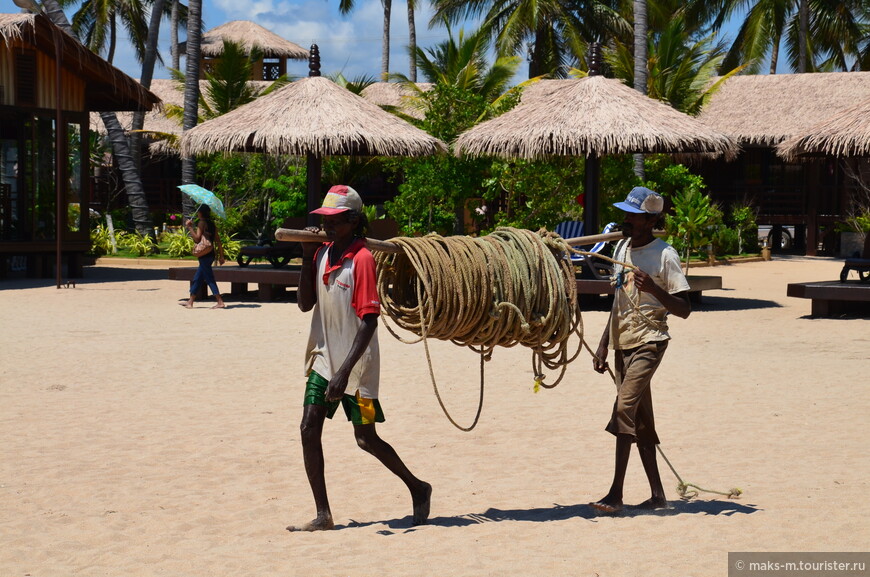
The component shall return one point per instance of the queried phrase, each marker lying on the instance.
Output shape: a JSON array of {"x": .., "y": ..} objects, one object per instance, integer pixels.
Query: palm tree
[
  {"x": 640, "y": 65},
  {"x": 191, "y": 87},
  {"x": 554, "y": 31},
  {"x": 818, "y": 34},
  {"x": 461, "y": 61},
  {"x": 136, "y": 198},
  {"x": 347, "y": 6},
  {"x": 412, "y": 41},
  {"x": 96, "y": 21},
  {"x": 681, "y": 66}
]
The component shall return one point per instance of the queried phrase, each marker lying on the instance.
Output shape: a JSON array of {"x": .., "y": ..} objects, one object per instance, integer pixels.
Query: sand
[{"x": 141, "y": 438}]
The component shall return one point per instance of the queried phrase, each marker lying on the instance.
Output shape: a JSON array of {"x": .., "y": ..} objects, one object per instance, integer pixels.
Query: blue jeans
[{"x": 204, "y": 274}]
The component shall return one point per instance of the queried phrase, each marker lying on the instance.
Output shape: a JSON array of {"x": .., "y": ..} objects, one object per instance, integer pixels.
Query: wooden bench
[
  {"x": 271, "y": 282},
  {"x": 697, "y": 284},
  {"x": 831, "y": 298}
]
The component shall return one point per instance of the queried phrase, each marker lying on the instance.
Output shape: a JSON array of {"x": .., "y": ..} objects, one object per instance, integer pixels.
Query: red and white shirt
[{"x": 345, "y": 293}]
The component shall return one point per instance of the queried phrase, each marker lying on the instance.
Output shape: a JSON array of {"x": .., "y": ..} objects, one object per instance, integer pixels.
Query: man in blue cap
[{"x": 646, "y": 292}]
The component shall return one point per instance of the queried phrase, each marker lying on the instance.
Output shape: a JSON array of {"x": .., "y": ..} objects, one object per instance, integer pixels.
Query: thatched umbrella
[
  {"x": 590, "y": 117},
  {"x": 396, "y": 96},
  {"x": 845, "y": 134},
  {"x": 311, "y": 117}
]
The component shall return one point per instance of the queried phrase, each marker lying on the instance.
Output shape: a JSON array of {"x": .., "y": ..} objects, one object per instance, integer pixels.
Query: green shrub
[
  {"x": 178, "y": 243},
  {"x": 139, "y": 244}
]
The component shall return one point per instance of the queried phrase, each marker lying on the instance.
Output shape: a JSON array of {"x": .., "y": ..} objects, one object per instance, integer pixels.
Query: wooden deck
[
  {"x": 273, "y": 283},
  {"x": 832, "y": 298}
]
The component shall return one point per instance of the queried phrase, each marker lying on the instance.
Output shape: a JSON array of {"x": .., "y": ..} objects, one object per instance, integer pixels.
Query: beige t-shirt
[{"x": 638, "y": 317}]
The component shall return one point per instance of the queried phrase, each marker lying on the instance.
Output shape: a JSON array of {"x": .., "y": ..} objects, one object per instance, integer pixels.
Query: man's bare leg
[
  {"x": 312, "y": 451},
  {"x": 421, "y": 492},
  {"x": 650, "y": 466},
  {"x": 612, "y": 502}
]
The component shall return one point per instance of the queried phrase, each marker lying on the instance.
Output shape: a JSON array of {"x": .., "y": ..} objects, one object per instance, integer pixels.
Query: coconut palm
[
  {"x": 124, "y": 157},
  {"x": 817, "y": 34},
  {"x": 95, "y": 24},
  {"x": 347, "y": 6},
  {"x": 555, "y": 32},
  {"x": 680, "y": 67},
  {"x": 640, "y": 65},
  {"x": 191, "y": 87}
]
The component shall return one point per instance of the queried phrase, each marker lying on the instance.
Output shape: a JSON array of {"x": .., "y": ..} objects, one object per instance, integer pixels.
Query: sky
[{"x": 348, "y": 44}]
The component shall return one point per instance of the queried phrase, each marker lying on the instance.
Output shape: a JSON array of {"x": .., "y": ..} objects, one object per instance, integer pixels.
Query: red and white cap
[{"x": 339, "y": 199}]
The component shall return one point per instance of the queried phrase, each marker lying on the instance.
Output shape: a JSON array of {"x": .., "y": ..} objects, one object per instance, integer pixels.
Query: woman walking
[{"x": 205, "y": 229}]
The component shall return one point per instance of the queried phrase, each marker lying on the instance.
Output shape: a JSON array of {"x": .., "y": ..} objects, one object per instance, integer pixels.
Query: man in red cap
[
  {"x": 638, "y": 334},
  {"x": 342, "y": 359}
]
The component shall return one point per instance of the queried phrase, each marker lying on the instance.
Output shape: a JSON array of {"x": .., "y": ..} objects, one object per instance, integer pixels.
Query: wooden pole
[{"x": 287, "y": 234}]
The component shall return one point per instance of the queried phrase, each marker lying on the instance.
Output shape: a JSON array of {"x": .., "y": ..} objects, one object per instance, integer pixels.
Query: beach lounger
[{"x": 589, "y": 267}]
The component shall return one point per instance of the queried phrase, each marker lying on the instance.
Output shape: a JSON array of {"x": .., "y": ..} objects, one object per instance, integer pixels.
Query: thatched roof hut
[
  {"x": 764, "y": 110},
  {"x": 248, "y": 34},
  {"x": 156, "y": 120},
  {"x": 593, "y": 115},
  {"x": 396, "y": 96},
  {"x": 846, "y": 134},
  {"x": 105, "y": 88},
  {"x": 312, "y": 115}
]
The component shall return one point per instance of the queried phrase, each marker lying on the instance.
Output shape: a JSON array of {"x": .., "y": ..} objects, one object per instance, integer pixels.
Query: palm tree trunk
[
  {"x": 412, "y": 42},
  {"x": 173, "y": 35},
  {"x": 774, "y": 54},
  {"x": 56, "y": 14},
  {"x": 640, "y": 67},
  {"x": 136, "y": 198},
  {"x": 113, "y": 31},
  {"x": 145, "y": 78},
  {"x": 191, "y": 89},
  {"x": 385, "y": 49},
  {"x": 803, "y": 34}
]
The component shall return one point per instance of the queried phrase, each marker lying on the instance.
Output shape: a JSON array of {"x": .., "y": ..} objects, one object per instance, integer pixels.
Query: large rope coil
[{"x": 511, "y": 287}]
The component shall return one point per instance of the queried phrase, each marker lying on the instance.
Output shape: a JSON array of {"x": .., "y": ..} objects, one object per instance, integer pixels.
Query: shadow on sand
[
  {"x": 564, "y": 512},
  {"x": 726, "y": 303}
]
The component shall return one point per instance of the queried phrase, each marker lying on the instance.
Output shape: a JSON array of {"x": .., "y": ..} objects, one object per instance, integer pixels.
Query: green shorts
[{"x": 359, "y": 410}]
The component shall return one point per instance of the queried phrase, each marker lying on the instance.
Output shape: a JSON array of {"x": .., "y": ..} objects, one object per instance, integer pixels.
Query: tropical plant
[
  {"x": 140, "y": 244},
  {"x": 681, "y": 67},
  {"x": 129, "y": 169},
  {"x": 743, "y": 218},
  {"x": 817, "y": 36},
  {"x": 694, "y": 217},
  {"x": 177, "y": 243},
  {"x": 555, "y": 32}
]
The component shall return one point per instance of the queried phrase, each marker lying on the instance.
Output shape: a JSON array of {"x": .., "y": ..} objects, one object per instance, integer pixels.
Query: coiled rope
[{"x": 511, "y": 287}]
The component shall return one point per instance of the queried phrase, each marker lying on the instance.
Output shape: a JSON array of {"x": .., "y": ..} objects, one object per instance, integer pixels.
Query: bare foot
[
  {"x": 654, "y": 503},
  {"x": 323, "y": 523},
  {"x": 422, "y": 500},
  {"x": 186, "y": 305},
  {"x": 219, "y": 306},
  {"x": 608, "y": 505}
]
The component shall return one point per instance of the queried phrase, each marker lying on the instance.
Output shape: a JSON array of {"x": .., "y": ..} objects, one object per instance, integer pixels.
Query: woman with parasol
[{"x": 207, "y": 240}]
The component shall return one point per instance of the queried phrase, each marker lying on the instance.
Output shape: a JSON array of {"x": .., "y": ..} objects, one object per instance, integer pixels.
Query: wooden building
[
  {"x": 49, "y": 83},
  {"x": 809, "y": 196}
]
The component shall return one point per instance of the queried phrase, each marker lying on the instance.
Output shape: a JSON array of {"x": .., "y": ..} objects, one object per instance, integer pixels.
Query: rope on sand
[
  {"x": 511, "y": 287},
  {"x": 682, "y": 486}
]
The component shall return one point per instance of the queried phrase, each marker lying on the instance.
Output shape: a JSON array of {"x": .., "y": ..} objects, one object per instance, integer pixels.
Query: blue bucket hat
[{"x": 642, "y": 200}]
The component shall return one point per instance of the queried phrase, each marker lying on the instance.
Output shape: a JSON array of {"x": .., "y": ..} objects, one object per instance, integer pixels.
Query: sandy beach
[{"x": 141, "y": 438}]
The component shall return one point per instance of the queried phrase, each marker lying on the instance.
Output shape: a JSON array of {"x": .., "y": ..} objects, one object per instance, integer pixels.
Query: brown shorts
[{"x": 633, "y": 409}]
